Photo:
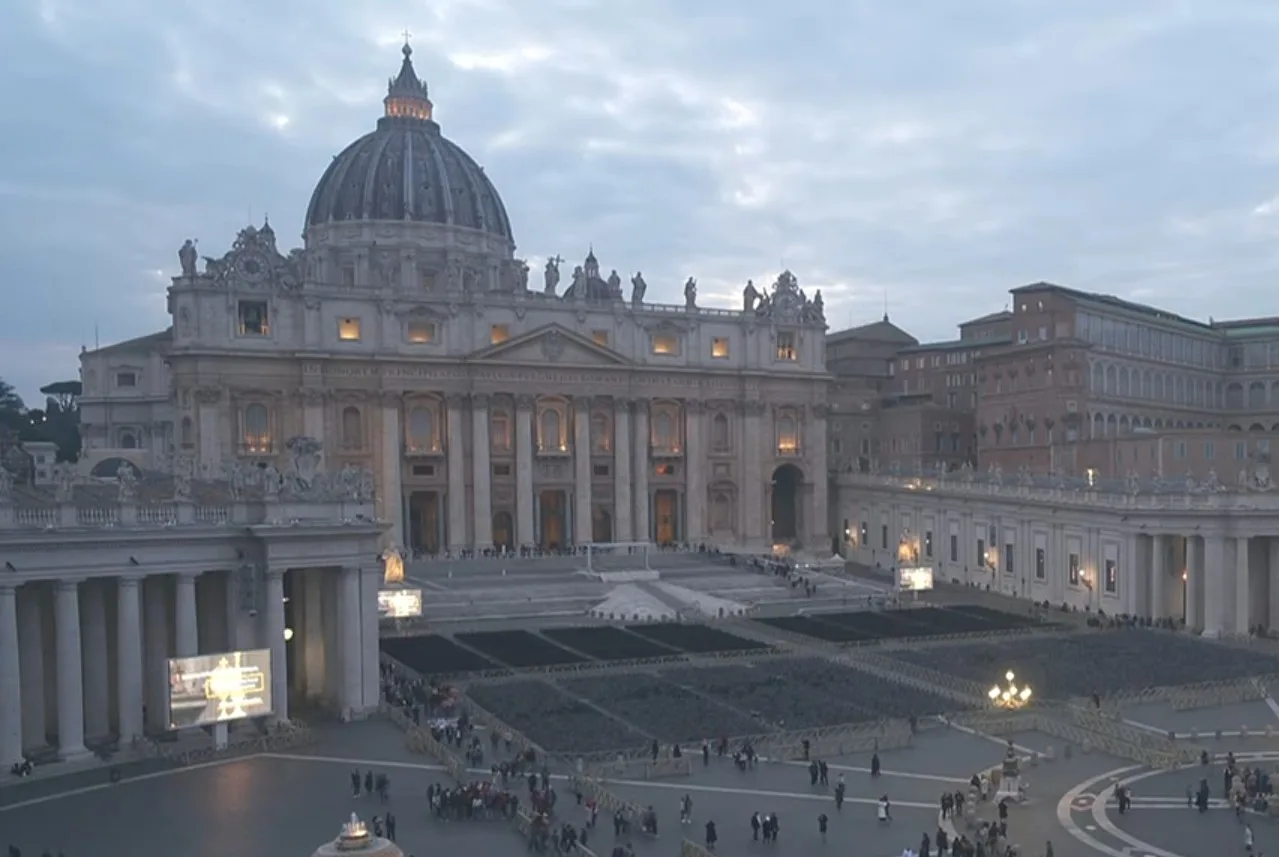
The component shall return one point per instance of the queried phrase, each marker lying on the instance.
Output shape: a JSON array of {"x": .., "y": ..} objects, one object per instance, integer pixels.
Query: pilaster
[
  {"x": 643, "y": 525},
  {"x": 623, "y": 530},
  {"x": 755, "y": 451},
  {"x": 697, "y": 499},
  {"x": 391, "y": 497}
]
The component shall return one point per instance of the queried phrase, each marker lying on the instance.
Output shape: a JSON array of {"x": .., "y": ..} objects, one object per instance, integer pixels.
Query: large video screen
[
  {"x": 399, "y": 603},
  {"x": 911, "y": 579},
  {"x": 208, "y": 689}
]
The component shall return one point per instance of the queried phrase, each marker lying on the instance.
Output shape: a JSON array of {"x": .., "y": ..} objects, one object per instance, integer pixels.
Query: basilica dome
[{"x": 407, "y": 170}]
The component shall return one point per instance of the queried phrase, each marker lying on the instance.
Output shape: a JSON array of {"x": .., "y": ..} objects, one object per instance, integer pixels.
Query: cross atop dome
[{"x": 406, "y": 94}]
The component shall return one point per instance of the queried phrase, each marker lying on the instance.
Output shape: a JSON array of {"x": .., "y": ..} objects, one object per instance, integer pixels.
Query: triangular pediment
[{"x": 550, "y": 344}]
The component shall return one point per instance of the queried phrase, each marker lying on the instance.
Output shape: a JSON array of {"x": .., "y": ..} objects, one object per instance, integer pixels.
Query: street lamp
[{"x": 1009, "y": 696}]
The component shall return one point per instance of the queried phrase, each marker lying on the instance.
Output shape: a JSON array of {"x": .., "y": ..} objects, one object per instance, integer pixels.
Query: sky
[{"x": 924, "y": 156}]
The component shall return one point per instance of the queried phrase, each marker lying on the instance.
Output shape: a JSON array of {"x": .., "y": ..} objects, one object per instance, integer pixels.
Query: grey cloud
[{"x": 941, "y": 153}]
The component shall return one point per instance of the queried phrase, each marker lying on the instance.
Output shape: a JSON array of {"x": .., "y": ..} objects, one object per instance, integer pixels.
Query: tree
[
  {"x": 65, "y": 393},
  {"x": 11, "y": 408}
]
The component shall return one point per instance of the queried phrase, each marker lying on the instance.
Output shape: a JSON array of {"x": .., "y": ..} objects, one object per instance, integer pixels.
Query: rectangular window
[
  {"x": 719, "y": 347},
  {"x": 1041, "y": 564},
  {"x": 1008, "y": 559},
  {"x": 786, "y": 346},
  {"x": 253, "y": 318},
  {"x": 665, "y": 344},
  {"x": 501, "y": 470},
  {"x": 1072, "y": 569},
  {"x": 349, "y": 329},
  {"x": 928, "y": 544},
  {"x": 865, "y": 533},
  {"x": 1112, "y": 576},
  {"x": 599, "y": 470},
  {"x": 954, "y": 548},
  {"x": 664, "y": 470},
  {"x": 1210, "y": 450},
  {"x": 883, "y": 536},
  {"x": 126, "y": 379},
  {"x": 348, "y": 276},
  {"x": 981, "y": 553},
  {"x": 498, "y": 334},
  {"x": 421, "y": 332},
  {"x": 600, "y": 337},
  {"x": 1241, "y": 450}
]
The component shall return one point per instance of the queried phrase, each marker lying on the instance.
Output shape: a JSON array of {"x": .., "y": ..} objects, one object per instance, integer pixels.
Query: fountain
[{"x": 356, "y": 838}]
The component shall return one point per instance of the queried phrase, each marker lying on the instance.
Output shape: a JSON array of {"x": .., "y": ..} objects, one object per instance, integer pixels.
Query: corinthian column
[
  {"x": 457, "y": 474},
  {"x": 622, "y": 531},
  {"x": 70, "y": 671},
  {"x": 482, "y": 475},
  {"x": 391, "y": 498},
  {"x": 754, "y": 451},
  {"x": 695, "y": 462},
  {"x": 524, "y": 471},
  {"x": 643, "y": 529},
  {"x": 583, "y": 531},
  {"x": 815, "y": 452}
]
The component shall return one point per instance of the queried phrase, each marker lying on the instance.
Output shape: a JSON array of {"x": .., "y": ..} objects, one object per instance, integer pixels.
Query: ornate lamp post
[{"x": 1010, "y": 696}]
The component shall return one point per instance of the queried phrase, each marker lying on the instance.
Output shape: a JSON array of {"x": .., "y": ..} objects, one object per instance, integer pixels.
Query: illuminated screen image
[
  {"x": 914, "y": 579},
  {"x": 208, "y": 689},
  {"x": 399, "y": 603}
]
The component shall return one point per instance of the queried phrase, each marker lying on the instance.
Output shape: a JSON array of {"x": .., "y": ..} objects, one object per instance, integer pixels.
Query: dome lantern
[{"x": 406, "y": 94}]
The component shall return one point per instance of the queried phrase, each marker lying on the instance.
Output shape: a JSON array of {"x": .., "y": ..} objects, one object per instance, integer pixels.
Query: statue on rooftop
[
  {"x": 690, "y": 293},
  {"x": 750, "y": 296},
  {"x": 639, "y": 288},
  {"x": 552, "y": 274},
  {"x": 188, "y": 257}
]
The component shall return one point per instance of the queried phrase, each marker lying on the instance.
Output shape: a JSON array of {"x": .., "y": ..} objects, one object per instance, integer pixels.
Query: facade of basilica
[{"x": 406, "y": 338}]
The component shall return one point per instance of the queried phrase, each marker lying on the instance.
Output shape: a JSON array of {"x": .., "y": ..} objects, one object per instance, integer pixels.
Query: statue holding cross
[{"x": 552, "y": 274}]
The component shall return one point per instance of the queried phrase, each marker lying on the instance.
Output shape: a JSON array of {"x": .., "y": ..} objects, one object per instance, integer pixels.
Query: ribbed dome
[{"x": 407, "y": 170}]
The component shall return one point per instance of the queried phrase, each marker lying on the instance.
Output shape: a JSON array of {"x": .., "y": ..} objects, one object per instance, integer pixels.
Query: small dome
[{"x": 407, "y": 170}]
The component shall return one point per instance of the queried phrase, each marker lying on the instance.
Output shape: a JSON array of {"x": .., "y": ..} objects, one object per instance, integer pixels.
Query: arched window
[
  {"x": 187, "y": 432},
  {"x": 500, "y": 431},
  {"x": 664, "y": 431},
  {"x": 352, "y": 428},
  {"x": 719, "y": 432},
  {"x": 128, "y": 440},
  {"x": 422, "y": 430},
  {"x": 257, "y": 428},
  {"x": 550, "y": 439},
  {"x": 787, "y": 435},
  {"x": 601, "y": 438},
  {"x": 721, "y": 511}
]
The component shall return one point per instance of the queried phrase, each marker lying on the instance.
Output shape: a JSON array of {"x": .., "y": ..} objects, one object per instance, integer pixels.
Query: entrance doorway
[
  {"x": 666, "y": 516},
  {"x": 787, "y": 481},
  {"x": 601, "y": 525},
  {"x": 425, "y": 521},
  {"x": 552, "y": 507},
  {"x": 503, "y": 531}
]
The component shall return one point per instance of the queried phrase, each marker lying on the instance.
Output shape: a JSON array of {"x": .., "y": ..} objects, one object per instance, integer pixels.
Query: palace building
[{"x": 405, "y": 338}]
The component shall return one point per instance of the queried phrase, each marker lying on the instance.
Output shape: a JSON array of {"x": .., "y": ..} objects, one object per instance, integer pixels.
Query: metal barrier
[
  {"x": 285, "y": 736},
  {"x": 933, "y": 682},
  {"x": 1213, "y": 693},
  {"x": 689, "y": 848},
  {"x": 493, "y": 723},
  {"x": 681, "y": 767},
  {"x": 607, "y": 801},
  {"x": 1106, "y": 742}
]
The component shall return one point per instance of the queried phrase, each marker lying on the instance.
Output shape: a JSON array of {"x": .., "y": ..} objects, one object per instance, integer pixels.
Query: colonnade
[
  {"x": 84, "y": 662},
  {"x": 1220, "y": 584}
]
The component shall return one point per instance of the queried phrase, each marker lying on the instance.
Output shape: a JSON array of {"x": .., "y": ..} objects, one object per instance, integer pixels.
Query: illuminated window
[
  {"x": 600, "y": 337},
  {"x": 420, "y": 332},
  {"x": 498, "y": 334},
  {"x": 787, "y": 435},
  {"x": 257, "y": 429},
  {"x": 349, "y": 329},
  {"x": 719, "y": 346},
  {"x": 551, "y": 432},
  {"x": 665, "y": 344},
  {"x": 665, "y": 432},
  {"x": 601, "y": 434},
  {"x": 422, "y": 430},
  {"x": 664, "y": 470},
  {"x": 786, "y": 346},
  {"x": 253, "y": 319},
  {"x": 1111, "y": 580}
]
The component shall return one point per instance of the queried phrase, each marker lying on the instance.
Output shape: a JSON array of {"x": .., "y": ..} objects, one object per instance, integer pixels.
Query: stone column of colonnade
[{"x": 1231, "y": 582}]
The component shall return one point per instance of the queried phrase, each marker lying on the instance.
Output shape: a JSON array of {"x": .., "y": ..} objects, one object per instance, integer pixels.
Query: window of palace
[
  {"x": 349, "y": 329},
  {"x": 719, "y": 347},
  {"x": 720, "y": 440},
  {"x": 665, "y": 432},
  {"x": 500, "y": 431},
  {"x": 128, "y": 440},
  {"x": 422, "y": 436},
  {"x": 786, "y": 347},
  {"x": 257, "y": 428},
  {"x": 187, "y": 432},
  {"x": 499, "y": 333},
  {"x": 253, "y": 318},
  {"x": 601, "y": 433},
  {"x": 352, "y": 428},
  {"x": 787, "y": 434},
  {"x": 126, "y": 379},
  {"x": 420, "y": 332},
  {"x": 600, "y": 337},
  {"x": 348, "y": 276},
  {"x": 666, "y": 344},
  {"x": 551, "y": 435}
]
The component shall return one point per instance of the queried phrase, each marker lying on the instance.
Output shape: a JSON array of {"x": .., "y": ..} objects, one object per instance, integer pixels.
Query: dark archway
[
  {"x": 109, "y": 468},
  {"x": 787, "y": 481},
  {"x": 503, "y": 531}
]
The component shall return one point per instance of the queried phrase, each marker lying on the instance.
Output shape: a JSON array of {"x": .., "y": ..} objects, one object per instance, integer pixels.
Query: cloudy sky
[{"x": 937, "y": 153}]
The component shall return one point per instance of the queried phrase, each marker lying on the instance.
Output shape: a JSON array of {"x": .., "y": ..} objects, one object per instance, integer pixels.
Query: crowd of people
[{"x": 421, "y": 554}]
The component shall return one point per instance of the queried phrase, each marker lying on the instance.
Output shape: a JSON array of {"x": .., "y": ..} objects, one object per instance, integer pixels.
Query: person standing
[
  {"x": 822, "y": 823},
  {"x": 711, "y": 836}
]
